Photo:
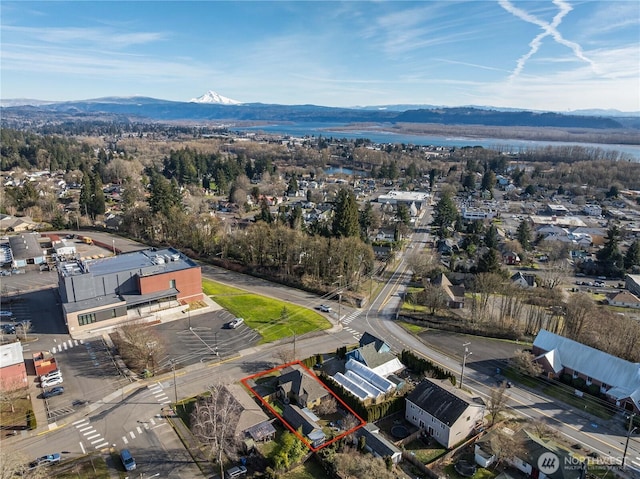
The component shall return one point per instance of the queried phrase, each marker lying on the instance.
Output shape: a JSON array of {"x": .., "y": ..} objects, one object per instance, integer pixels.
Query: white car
[
  {"x": 51, "y": 375},
  {"x": 233, "y": 324},
  {"x": 51, "y": 382},
  {"x": 324, "y": 308},
  {"x": 6, "y": 314}
]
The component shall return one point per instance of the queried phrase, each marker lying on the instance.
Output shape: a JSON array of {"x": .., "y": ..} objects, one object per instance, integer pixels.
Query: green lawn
[
  {"x": 309, "y": 470},
  {"x": 481, "y": 473},
  {"x": 423, "y": 453},
  {"x": 584, "y": 403},
  {"x": 272, "y": 318},
  {"x": 412, "y": 328}
]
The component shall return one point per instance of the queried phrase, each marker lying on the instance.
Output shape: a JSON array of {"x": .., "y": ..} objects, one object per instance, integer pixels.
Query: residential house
[
  {"x": 13, "y": 373},
  {"x": 592, "y": 210},
  {"x": 299, "y": 388},
  {"x": 252, "y": 419},
  {"x": 524, "y": 280},
  {"x": 377, "y": 444},
  {"x": 511, "y": 258},
  {"x": 13, "y": 223},
  {"x": 624, "y": 299},
  {"x": 445, "y": 413},
  {"x": 376, "y": 354},
  {"x": 304, "y": 421},
  {"x": 617, "y": 378},
  {"x": 455, "y": 294},
  {"x": 529, "y": 461}
]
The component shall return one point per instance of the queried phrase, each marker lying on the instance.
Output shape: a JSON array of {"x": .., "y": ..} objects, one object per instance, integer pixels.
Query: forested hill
[
  {"x": 158, "y": 110},
  {"x": 475, "y": 116}
]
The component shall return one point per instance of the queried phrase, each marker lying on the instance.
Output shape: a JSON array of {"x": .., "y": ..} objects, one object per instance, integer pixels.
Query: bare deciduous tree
[
  {"x": 506, "y": 446},
  {"x": 525, "y": 362},
  {"x": 497, "y": 403},
  {"x": 328, "y": 405},
  {"x": 214, "y": 420},
  {"x": 353, "y": 466},
  {"x": 140, "y": 347},
  {"x": 578, "y": 309},
  {"x": 11, "y": 390},
  {"x": 433, "y": 297}
]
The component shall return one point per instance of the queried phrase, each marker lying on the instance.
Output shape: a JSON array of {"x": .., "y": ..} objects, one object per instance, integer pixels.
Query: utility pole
[
  {"x": 629, "y": 431},
  {"x": 466, "y": 354},
  {"x": 175, "y": 385}
]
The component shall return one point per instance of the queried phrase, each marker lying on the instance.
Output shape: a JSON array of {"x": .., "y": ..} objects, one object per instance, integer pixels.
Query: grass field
[
  {"x": 412, "y": 328},
  {"x": 92, "y": 467},
  {"x": 272, "y": 318}
]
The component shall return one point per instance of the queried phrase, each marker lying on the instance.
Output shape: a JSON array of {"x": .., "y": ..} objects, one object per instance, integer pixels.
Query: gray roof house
[
  {"x": 303, "y": 420},
  {"x": 377, "y": 444},
  {"x": 298, "y": 387},
  {"x": 618, "y": 379},
  {"x": 447, "y": 414}
]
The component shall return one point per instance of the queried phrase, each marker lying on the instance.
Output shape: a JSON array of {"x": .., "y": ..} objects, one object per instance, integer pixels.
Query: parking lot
[{"x": 203, "y": 338}]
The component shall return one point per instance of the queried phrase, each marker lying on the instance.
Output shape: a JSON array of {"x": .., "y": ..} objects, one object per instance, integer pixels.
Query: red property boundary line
[{"x": 246, "y": 380}]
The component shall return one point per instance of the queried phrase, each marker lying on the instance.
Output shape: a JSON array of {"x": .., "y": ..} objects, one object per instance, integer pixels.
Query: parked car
[
  {"x": 51, "y": 375},
  {"x": 234, "y": 323},
  {"x": 8, "y": 329},
  {"x": 324, "y": 308},
  {"x": 235, "y": 471},
  {"x": 6, "y": 314},
  {"x": 47, "y": 383},
  {"x": 45, "y": 460},
  {"x": 53, "y": 392},
  {"x": 127, "y": 459}
]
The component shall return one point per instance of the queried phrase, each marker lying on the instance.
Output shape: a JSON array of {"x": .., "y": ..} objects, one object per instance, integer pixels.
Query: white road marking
[
  {"x": 97, "y": 440},
  {"x": 100, "y": 446},
  {"x": 125, "y": 440},
  {"x": 82, "y": 447},
  {"x": 139, "y": 430},
  {"x": 133, "y": 436},
  {"x": 92, "y": 437},
  {"x": 85, "y": 428},
  {"x": 79, "y": 422}
]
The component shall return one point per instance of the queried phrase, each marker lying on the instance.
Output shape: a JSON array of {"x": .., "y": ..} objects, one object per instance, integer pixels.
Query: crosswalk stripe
[
  {"x": 125, "y": 440},
  {"x": 80, "y": 421},
  {"x": 146, "y": 426},
  {"x": 92, "y": 437},
  {"x": 97, "y": 440},
  {"x": 139, "y": 430},
  {"x": 133, "y": 436},
  {"x": 100, "y": 446},
  {"x": 85, "y": 428},
  {"x": 152, "y": 421}
]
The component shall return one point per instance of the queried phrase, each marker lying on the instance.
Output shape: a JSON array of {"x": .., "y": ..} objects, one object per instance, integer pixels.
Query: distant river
[{"x": 333, "y": 129}]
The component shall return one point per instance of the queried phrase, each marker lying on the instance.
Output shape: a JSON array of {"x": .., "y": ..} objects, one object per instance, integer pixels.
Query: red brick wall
[
  {"x": 188, "y": 283},
  {"x": 13, "y": 377}
]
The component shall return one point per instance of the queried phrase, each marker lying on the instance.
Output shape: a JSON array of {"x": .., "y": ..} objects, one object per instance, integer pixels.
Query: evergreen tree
[
  {"x": 265, "y": 212},
  {"x": 292, "y": 188},
  {"x": 523, "y": 234},
  {"x": 85, "y": 195},
  {"x": 609, "y": 258},
  {"x": 469, "y": 181},
  {"x": 632, "y": 258},
  {"x": 403, "y": 214},
  {"x": 367, "y": 220},
  {"x": 489, "y": 262},
  {"x": 445, "y": 215},
  {"x": 98, "y": 206},
  {"x": 491, "y": 237},
  {"x": 163, "y": 195},
  {"x": 488, "y": 181},
  {"x": 345, "y": 214}
]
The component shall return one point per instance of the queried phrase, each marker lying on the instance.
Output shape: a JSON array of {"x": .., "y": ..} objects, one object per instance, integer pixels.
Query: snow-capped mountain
[{"x": 215, "y": 98}]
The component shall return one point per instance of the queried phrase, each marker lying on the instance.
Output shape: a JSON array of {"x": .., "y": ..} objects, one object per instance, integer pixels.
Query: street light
[
  {"x": 466, "y": 354},
  {"x": 629, "y": 432}
]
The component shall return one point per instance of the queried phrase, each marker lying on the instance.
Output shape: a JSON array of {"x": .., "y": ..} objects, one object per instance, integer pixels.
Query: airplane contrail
[{"x": 549, "y": 29}]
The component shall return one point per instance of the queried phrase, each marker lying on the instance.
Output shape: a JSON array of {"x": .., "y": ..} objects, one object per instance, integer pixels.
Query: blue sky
[{"x": 548, "y": 55}]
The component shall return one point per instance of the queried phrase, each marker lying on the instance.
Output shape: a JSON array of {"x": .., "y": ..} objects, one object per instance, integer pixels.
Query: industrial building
[{"x": 100, "y": 293}]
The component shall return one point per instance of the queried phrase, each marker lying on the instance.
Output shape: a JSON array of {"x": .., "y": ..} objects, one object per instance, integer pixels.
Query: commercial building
[{"x": 100, "y": 293}]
